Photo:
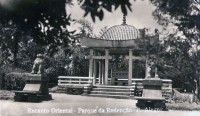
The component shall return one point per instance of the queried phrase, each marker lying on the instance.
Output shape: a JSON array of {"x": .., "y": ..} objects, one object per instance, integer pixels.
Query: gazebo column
[
  {"x": 91, "y": 63},
  {"x": 130, "y": 68},
  {"x": 100, "y": 71},
  {"x": 95, "y": 72},
  {"x": 103, "y": 72},
  {"x": 106, "y": 65}
]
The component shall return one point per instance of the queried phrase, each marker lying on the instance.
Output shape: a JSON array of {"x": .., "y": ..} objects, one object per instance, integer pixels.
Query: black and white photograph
[{"x": 100, "y": 57}]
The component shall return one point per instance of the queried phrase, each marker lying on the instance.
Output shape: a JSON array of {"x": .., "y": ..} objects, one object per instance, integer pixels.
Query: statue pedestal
[
  {"x": 35, "y": 90},
  {"x": 151, "y": 95}
]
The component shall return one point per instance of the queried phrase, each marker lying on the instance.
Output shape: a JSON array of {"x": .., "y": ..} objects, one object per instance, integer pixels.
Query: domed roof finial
[{"x": 124, "y": 20}]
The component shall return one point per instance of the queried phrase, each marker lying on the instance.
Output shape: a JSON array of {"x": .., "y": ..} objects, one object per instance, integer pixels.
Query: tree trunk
[
  {"x": 197, "y": 83},
  {"x": 198, "y": 70},
  {"x": 16, "y": 47},
  {"x": 1, "y": 55}
]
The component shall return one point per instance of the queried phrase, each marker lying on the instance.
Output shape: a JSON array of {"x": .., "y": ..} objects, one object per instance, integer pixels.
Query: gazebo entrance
[{"x": 112, "y": 66}]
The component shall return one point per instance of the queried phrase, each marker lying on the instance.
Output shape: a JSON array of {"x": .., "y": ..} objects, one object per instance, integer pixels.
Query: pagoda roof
[
  {"x": 100, "y": 43},
  {"x": 121, "y": 32},
  {"x": 118, "y": 36}
]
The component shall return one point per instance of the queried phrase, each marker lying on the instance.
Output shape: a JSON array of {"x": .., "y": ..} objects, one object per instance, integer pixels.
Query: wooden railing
[{"x": 76, "y": 82}]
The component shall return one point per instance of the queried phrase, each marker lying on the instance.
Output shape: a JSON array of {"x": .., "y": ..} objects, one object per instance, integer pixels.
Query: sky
[{"x": 140, "y": 17}]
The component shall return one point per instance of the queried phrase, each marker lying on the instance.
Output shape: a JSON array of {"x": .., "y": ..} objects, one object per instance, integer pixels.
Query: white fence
[{"x": 74, "y": 81}]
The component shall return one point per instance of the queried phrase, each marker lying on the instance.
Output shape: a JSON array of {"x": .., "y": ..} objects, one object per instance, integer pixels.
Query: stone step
[
  {"x": 122, "y": 92},
  {"x": 112, "y": 89},
  {"x": 112, "y": 93},
  {"x": 110, "y": 96},
  {"x": 109, "y": 86}
]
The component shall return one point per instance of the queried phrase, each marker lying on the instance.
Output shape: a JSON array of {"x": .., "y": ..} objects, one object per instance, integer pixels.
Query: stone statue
[
  {"x": 38, "y": 65},
  {"x": 149, "y": 66},
  {"x": 148, "y": 71},
  {"x": 156, "y": 73}
]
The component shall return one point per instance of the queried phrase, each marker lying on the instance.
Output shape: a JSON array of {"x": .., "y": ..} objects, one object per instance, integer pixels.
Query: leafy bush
[
  {"x": 182, "y": 97},
  {"x": 53, "y": 72},
  {"x": 8, "y": 80},
  {"x": 2, "y": 75},
  {"x": 14, "y": 81}
]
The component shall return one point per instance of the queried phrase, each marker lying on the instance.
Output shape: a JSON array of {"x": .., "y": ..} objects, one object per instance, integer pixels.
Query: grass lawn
[
  {"x": 183, "y": 106},
  {"x": 6, "y": 95}
]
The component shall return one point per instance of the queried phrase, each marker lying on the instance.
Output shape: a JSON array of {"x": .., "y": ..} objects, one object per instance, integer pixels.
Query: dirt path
[{"x": 72, "y": 105}]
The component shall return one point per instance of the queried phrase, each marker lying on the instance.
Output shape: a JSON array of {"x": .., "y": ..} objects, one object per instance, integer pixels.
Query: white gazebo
[
  {"x": 112, "y": 59},
  {"x": 121, "y": 39}
]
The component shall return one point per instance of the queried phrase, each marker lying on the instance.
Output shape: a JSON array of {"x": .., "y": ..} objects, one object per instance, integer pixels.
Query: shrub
[
  {"x": 2, "y": 75},
  {"x": 53, "y": 72},
  {"x": 6, "y": 81},
  {"x": 14, "y": 81},
  {"x": 182, "y": 97}
]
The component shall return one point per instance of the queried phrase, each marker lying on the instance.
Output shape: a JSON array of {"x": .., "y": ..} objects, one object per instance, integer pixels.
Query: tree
[
  {"x": 185, "y": 15},
  {"x": 95, "y": 7},
  {"x": 41, "y": 19},
  {"x": 177, "y": 61},
  {"x": 7, "y": 34},
  {"x": 85, "y": 27},
  {"x": 78, "y": 64},
  {"x": 47, "y": 19}
]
